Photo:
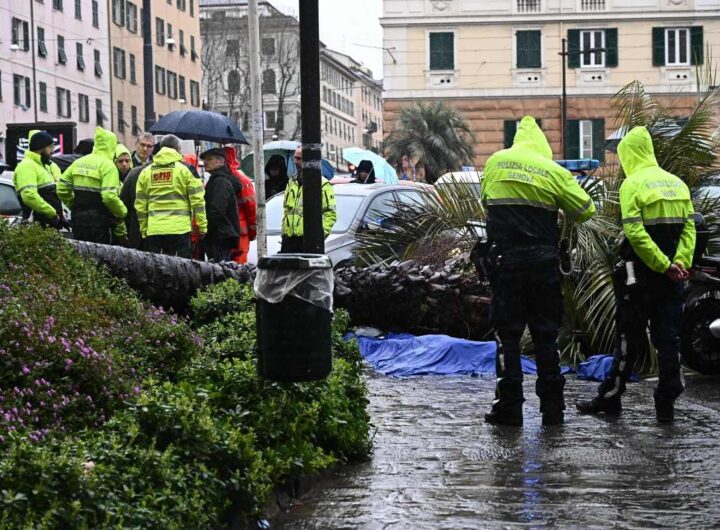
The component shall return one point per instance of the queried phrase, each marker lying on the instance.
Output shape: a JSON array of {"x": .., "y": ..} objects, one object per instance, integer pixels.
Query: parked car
[
  {"x": 468, "y": 179},
  {"x": 10, "y": 208},
  {"x": 359, "y": 206}
]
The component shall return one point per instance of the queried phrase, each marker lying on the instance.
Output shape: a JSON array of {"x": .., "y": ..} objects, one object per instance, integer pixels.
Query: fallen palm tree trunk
[
  {"x": 411, "y": 297},
  {"x": 166, "y": 281}
]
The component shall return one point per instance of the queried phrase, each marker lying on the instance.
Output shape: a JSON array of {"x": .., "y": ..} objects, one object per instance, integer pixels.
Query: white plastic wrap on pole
[{"x": 257, "y": 124}]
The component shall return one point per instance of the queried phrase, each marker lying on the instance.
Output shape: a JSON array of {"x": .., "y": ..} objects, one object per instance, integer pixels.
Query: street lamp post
[{"x": 148, "y": 65}]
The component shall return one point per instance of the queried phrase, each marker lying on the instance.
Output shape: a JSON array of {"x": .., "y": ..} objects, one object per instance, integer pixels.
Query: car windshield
[
  {"x": 9, "y": 204},
  {"x": 709, "y": 192},
  {"x": 347, "y": 207}
]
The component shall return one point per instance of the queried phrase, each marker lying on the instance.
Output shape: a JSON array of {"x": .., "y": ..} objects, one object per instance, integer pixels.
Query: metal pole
[
  {"x": 258, "y": 126},
  {"x": 148, "y": 65},
  {"x": 32, "y": 54},
  {"x": 313, "y": 236},
  {"x": 563, "y": 119}
]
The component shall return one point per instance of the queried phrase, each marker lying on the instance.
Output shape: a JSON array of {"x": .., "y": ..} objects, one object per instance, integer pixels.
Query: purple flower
[{"x": 25, "y": 370}]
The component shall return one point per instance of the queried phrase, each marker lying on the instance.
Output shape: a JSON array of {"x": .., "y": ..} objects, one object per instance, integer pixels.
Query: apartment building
[
  {"x": 497, "y": 60},
  {"x": 54, "y": 63},
  {"x": 350, "y": 98},
  {"x": 176, "y": 56}
]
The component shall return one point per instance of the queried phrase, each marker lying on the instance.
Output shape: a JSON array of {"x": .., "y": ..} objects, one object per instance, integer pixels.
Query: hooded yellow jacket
[
  {"x": 657, "y": 212},
  {"x": 35, "y": 183}
]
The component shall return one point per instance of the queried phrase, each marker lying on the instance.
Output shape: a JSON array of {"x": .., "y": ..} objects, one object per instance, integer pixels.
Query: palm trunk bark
[{"x": 166, "y": 281}]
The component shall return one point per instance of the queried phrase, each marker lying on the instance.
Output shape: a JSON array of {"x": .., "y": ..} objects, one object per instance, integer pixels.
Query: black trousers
[
  {"x": 93, "y": 233},
  {"x": 656, "y": 300},
  {"x": 527, "y": 295},
  {"x": 291, "y": 245},
  {"x": 170, "y": 244},
  {"x": 219, "y": 250}
]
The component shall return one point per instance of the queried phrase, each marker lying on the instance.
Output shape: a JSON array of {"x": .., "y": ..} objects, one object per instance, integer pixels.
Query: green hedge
[{"x": 193, "y": 436}]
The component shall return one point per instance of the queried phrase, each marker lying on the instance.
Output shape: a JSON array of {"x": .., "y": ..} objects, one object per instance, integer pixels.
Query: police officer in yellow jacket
[
  {"x": 35, "y": 180},
  {"x": 167, "y": 197},
  {"x": 522, "y": 191},
  {"x": 292, "y": 221},
  {"x": 89, "y": 187},
  {"x": 657, "y": 218}
]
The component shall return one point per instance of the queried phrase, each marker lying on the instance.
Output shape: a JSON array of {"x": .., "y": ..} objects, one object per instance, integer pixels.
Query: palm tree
[{"x": 433, "y": 134}]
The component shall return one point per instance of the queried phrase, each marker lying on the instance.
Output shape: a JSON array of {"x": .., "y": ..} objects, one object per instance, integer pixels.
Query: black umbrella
[{"x": 200, "y": 125}]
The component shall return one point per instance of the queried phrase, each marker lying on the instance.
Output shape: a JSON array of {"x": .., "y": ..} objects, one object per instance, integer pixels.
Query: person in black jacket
[{"x": 221, "y": 190}]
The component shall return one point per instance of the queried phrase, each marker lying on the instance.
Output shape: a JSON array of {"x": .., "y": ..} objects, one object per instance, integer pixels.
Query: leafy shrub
[{"x": 74, "y": 342}]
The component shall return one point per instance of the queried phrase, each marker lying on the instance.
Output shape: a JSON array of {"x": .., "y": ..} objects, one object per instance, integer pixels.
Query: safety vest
[
  {"x": 35, "y": 185},
  {"x": 292, "y": 222},
  {"x": 657, "y": 211},
  {"x": 168, "y": 196}
]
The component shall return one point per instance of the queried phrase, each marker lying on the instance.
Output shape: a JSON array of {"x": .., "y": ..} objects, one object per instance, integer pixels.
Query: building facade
[
  {"x": 176, "y": 55},
  {"x": 54, "y": 63},
  {"x": 497, "y": 60},
  {"x": 350, "y": 97}
]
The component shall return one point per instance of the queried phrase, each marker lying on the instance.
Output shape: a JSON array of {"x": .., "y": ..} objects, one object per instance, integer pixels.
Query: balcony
[
  {"x": 592, "y": 5},
  {"x": 529, "y": 6}
]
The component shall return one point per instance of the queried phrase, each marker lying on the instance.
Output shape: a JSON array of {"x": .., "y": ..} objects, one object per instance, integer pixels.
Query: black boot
[
  {"x": 507, "y": 407},
  {"x": 549, "y": 389},
  {"x": 611, "y": 407}
]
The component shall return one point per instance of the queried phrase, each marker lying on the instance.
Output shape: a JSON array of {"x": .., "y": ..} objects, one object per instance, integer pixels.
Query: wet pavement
[{"x": 437, "y": 465}]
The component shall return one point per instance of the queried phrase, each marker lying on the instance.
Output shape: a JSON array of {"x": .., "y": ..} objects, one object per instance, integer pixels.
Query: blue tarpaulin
[
  {"x": 403, "y": 355},
  {"x": 597, "y": 368}
]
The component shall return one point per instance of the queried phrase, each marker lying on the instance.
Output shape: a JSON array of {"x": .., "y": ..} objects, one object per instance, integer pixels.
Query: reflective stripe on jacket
[
  {"x": 292, "y": 222},
  {"x": 168, "y": 196},
  {"x": 657, "y": 211},
  {"x": 523, "y": 190}
]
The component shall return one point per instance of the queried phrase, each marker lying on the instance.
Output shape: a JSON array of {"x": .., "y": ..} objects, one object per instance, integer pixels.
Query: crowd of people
[{"x": 150, "y": 199}]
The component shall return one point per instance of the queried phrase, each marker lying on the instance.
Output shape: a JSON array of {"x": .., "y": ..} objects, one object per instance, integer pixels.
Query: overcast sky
[{"x": 349, "y": 26}]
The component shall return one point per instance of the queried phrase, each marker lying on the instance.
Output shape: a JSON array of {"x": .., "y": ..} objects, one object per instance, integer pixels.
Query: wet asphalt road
[{"x": 437, "y": 465}]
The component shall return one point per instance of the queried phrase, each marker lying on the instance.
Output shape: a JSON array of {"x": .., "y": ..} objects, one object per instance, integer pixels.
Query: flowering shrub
[{"x": 74, "y": 343}]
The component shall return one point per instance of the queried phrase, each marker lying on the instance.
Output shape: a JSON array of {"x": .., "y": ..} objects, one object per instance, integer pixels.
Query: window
[
  {"x": 270, "y": 119},
  {"x": 194, "y": 93},
  {"x": 119, "y": 63},
  {"x": 442, "y": 51},
  {"x": 134, "y": 120},
  {"x": 118, "y": 12},
  {"x": 181, "y": 5},
  {"x": 95, "y": 14},
  {"x": 181, "y": 92},
  {"x": 42, "y": 49},
  {"x": 160, "y": 80},
  {"x": 57, "y": 5},
  {"x": 99, "y": 114},
  {"x": 585, "y": 48},
  {"x": 62, "y": 56},
  {"x": 21, "y": 91},
  {"x": 21, "y": 34},
  {"x": 193, "y": 53},
  {"x": 232, "y": 48},
  {"x": 529, "y": 51},
  {"x": 233, "y": 82},
  {"x": 84, "y": 108},
  {"x": 183, "y": 49},
  {"x": 192, "y": 8},
  {"x": 78, "y": 9},
  {"x": 172, "y": 84},
  {"x": 268, "y": 82},
  {"x": 592, "y": 5},
  {"x": 678, "y": 46},
  {"x": 510, "y": 128},
  {"x": 586, "y": 139},
  {"x": 98, "y": 65},
  {"x": 131, "y": 17},
  {"x": 120, "y": 117},
  {"x": 159, "y": 31},
  {"x": 268, "y": 46},
  {"x": 43, "y": 97},
  {"x": 529, "y": 6},
  {"x": 79, "y": 56},
  {"x": 64, "y": 107},
  {"x": 170, "y": 40},
  {"x": 133, "y": 78}
]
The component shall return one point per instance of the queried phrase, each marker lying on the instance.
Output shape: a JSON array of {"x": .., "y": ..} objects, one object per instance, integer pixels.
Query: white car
[
  {"x": 10, "y": 208},
  {"x": 358, "y": 206}
]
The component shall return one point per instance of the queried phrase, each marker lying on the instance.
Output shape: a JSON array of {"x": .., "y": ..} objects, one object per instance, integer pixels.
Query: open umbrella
[
  {"x": 286, "y": 149},
  {"x": 383, "y": 170},
  {"x": 200, "y": 125}
]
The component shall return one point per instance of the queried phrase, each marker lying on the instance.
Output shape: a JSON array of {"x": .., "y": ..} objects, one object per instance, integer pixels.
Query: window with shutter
[
  {"x": 42, "y": 49},
  {"x": 592, "y": 46},
  {"x": 43, "y": 97},
  {"x": 573, "y": 51},
  {"x": 529, "y": 52},
  {"x": 572, "y": 139},
  {"x": 697, "y": 45},
  {"x": 658, "y": 44},
  {"x": 677, "y": 47},
  {"x": 510, "y": 128},
  {"x": 442, "y": 50},
  {"x": 611, "y": 47}
]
